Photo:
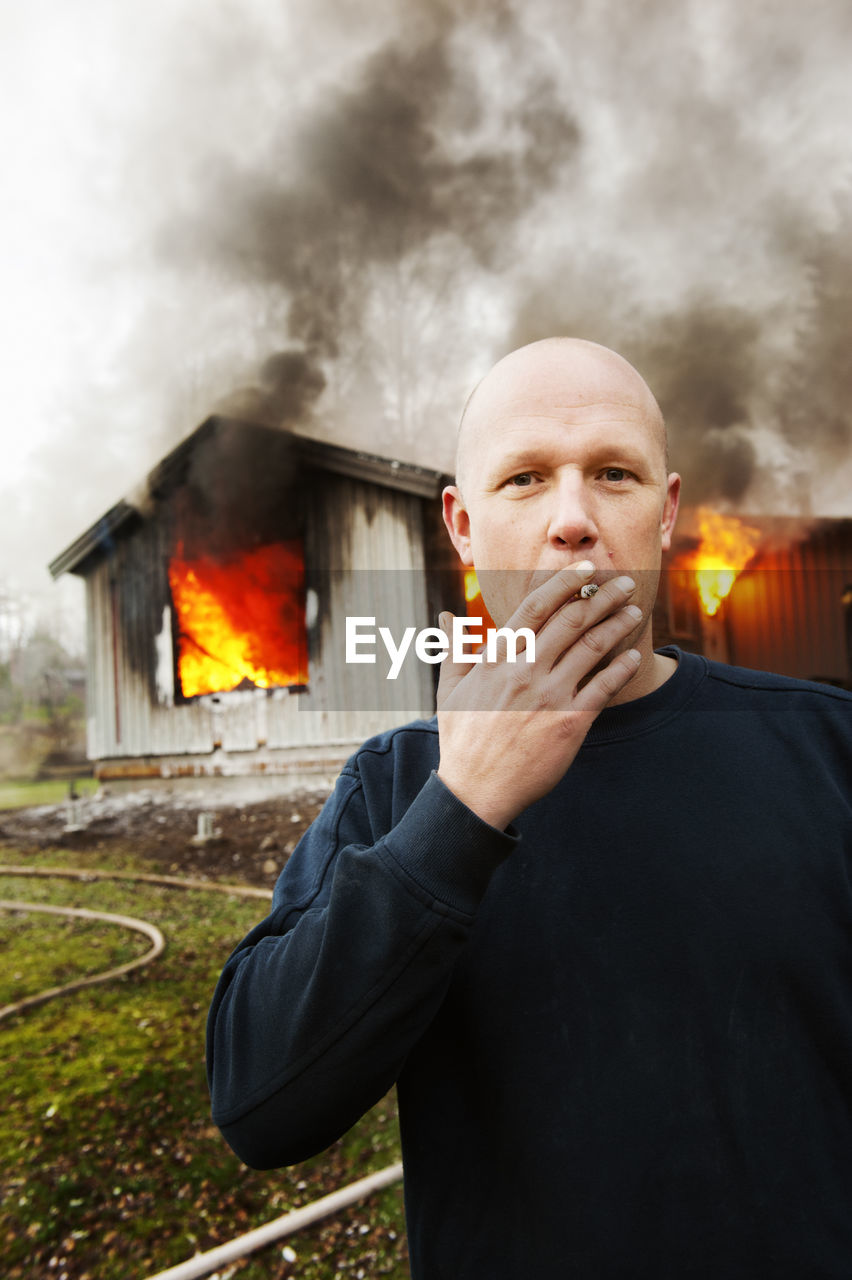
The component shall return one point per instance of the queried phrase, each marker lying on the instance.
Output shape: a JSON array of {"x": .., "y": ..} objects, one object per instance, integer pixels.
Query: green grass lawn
[
  {"x": 16, "y": 795},
  {"x": 110, "y": 1164}
]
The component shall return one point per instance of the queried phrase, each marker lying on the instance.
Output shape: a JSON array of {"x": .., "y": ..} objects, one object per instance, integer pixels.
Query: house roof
[{"x": 386, "y": 472}]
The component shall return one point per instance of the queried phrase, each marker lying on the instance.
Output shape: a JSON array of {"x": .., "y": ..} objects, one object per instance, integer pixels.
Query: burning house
[
  {"x": 764, "y": 592},
  {"x": 217, "y": 599}
]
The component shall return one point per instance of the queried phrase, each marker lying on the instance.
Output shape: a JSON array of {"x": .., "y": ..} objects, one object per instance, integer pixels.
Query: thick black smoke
[
  {"x": 376, "y": 172},
  {"x": 402, "y": 162},
  {"x": 287, "y": 388},
  {"x": 703, "y": 365},
  {"x": 625, "y": 177},
  {"x": 818, "y": 404}
]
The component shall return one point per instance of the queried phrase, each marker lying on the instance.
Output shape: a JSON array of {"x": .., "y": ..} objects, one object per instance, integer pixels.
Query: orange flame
[
  {"x": 240, "y": 620},
  {"x": 475, "y": 604},
  {"x": 471, "y": 585},
  {"x": 726, "y": 547}
]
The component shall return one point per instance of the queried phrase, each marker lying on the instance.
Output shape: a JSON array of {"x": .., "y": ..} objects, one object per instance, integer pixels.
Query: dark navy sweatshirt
[{"x": 621, "y": 1030}]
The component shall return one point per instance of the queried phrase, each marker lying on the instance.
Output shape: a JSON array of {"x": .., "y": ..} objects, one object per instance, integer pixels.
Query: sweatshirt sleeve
[{"x": 317, "y": 1009}]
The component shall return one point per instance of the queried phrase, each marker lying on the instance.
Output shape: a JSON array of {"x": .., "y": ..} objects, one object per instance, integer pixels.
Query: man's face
[{"x": 558, "y": 468}]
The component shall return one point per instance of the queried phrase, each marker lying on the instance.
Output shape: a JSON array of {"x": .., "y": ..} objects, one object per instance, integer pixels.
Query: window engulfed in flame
[
  {"x": 240, "y": 621},
  {"x": 726, "y": 547}
]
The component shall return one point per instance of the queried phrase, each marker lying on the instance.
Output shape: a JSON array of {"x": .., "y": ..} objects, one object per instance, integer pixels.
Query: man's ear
[
  {"x": 670, "y": 509},
  {"x": 458, "y": 522}
]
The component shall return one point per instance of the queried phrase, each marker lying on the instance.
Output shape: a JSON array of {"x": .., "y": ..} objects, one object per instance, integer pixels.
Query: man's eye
[
  {"x": 615, "y": 474},
  {"x": 522, "y": 480}
]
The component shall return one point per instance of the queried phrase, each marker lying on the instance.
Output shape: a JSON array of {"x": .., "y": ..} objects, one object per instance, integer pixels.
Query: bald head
[{"x": 552, "y": 376}]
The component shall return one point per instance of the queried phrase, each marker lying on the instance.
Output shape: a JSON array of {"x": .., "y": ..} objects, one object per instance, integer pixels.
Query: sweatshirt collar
[{"x": 643, "y": 714}]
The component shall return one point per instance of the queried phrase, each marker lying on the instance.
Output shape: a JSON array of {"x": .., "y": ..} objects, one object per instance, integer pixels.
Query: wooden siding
[
  {"x": 787, "y": 612},
  {"x": 132, "y": 710}
]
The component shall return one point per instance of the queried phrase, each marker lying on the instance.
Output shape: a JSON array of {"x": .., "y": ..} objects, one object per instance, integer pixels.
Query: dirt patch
[{"x": 250, "y": 842}]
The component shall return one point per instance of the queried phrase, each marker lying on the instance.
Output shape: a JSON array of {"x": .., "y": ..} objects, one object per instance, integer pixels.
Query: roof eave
[
  {"x": 390, "y": 473},
  {"x": 96, "y": 538}
]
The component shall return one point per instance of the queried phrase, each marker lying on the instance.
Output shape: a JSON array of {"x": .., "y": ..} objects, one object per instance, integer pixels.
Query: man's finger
[
  {"x": 540, "y": 605},
  {"x": 595, "y": 645},
  {"x": 605, "y": 684},
  {"x": 451, "y": 673},
  {"x": 573, "y": 621}
]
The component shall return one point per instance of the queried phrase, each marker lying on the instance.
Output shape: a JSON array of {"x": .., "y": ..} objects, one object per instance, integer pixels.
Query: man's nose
[{"x": 572, "y": 522}]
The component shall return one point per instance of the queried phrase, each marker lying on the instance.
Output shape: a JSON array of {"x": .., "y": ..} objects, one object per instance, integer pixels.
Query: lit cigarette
[{"x": 589, "y": 590}]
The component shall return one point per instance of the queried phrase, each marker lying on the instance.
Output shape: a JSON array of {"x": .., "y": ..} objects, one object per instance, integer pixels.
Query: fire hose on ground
[
  {"x": 201, "y": 1264},
  {"x": 128, "y": 922},
  {"x": 82, "y": 913}
]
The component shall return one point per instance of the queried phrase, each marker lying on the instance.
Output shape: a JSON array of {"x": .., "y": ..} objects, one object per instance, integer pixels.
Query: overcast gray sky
[{"x": 404, "y": 191}]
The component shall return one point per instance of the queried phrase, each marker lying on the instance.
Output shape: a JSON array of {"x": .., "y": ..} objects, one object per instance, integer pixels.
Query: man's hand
[{"x": 508, "y": 731}]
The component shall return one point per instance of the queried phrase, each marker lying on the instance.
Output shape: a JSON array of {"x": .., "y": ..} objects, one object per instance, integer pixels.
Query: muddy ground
[{"x": 250, "y": 844}]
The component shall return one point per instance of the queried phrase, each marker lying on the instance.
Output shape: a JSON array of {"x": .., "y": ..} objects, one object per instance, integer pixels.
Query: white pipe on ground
[
  {"x": 172, "y": 882},
  {"x": 203, "y": 1263},
  {"x": 82, "y": 913}
]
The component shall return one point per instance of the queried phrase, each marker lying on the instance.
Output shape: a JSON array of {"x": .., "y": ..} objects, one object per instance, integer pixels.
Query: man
[{"x": 596, "y": 920}]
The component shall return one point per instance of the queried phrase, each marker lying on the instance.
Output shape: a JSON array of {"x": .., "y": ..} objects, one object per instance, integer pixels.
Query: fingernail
[
  {"x": 626, "y": 584},
  {"x": 583, "y": 566},
  {"x": 633, "y": 610}
]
